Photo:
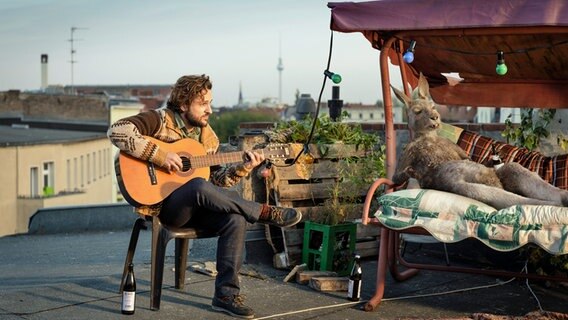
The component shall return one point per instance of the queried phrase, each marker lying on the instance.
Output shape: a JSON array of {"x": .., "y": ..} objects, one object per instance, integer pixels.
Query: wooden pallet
[{"x": 306, "y": 186}]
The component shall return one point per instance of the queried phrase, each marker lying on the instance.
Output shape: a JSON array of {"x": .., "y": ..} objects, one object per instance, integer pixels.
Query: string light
[
  {"x": 501, "y": 67},
  {"x": 408, "y": 56},
  {"x": 478, "y": 53},
  {"x": 335, "y": 77}
]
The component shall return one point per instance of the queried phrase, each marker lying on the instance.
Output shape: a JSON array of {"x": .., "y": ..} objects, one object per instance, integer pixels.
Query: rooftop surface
[
  {"x": 76, "y": 276},
  {"x": 23, "y": 135}
]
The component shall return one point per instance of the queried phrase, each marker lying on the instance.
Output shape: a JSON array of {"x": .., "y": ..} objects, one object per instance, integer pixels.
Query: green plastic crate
[{"x": 329, "y": 247}]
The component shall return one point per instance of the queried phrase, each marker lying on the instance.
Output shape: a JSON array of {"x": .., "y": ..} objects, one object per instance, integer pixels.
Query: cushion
[
  {"x": 553, "y": 169},
  {"x": 450, "y": 218}
]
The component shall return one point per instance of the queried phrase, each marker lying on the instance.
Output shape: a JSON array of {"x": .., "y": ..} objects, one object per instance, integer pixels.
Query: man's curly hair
[{"x": 186, "y": 89}]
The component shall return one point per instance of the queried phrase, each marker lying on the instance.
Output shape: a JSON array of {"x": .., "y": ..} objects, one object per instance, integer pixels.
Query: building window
[
  {"x": 360, "y": 116},
  {"x": 69, "y": 174},
  {"x": 100, "y": 164},
  {"x": 105, "y": 163},
  {"x": 88, "y": 168},
  {"x": 75, "y": 174},
  {"x": 48, "y": 178},
  {"x": 34, "y": 182},
  {"x": 108, "y": 165},
  {"x": 94, "y": 166},
  {"x": 372, "y": 115},
  {"x": 82, "y": 171}
]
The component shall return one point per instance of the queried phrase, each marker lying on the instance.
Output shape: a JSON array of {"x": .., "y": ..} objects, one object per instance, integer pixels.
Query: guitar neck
[{"x": 209, "y": 160}]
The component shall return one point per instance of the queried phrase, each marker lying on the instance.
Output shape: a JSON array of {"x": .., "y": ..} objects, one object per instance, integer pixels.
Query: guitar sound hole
[{"x": 186, "y": 165}]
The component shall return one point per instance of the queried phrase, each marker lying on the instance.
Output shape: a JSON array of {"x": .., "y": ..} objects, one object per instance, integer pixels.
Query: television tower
[{"x": 280, "y": 68}]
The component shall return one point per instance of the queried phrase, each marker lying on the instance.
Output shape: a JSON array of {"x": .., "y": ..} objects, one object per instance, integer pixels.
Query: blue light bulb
[{"x": 408, "y": 57}]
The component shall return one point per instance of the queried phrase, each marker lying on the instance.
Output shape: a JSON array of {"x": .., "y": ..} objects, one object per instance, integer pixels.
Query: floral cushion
[{"x": 450, "y": 218}]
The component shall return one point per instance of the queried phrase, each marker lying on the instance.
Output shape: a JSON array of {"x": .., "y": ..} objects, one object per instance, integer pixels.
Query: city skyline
[{"x": 150, "y": 42}]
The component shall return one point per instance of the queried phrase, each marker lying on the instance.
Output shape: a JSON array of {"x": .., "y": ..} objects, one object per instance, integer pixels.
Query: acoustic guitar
[{"x": 144, "y": 183}]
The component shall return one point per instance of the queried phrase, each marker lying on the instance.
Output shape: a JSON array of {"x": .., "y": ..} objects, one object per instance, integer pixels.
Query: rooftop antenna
[
  {"x": 280, "y": 68},
  {"x": 73, "y": 52}
]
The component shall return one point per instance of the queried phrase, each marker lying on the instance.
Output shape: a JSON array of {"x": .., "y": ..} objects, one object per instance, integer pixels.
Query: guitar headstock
[{"x": 277, "y": 151}]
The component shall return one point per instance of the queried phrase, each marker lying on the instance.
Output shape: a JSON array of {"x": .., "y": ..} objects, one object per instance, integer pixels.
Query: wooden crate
[
  {"x": 308, "y": 183},
  {"x": 306, "y": 186}
]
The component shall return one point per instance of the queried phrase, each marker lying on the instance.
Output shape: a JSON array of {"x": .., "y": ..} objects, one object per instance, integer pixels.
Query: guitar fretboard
[{"x": 216, "y": 159}]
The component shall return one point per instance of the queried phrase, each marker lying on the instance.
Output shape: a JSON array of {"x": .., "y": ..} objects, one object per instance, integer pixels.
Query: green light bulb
[
  {"x": 501, "y": 69},
  {"x": 336, "y": 78}
]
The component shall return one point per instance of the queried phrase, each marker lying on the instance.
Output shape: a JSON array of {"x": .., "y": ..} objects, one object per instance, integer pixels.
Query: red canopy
[{"x": 464, "y": 36}]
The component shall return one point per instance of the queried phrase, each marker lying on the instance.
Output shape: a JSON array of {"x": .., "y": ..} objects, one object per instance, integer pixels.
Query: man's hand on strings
[
  {"x": 253, "y": 159},
  {"x": 173, "y": 162}
]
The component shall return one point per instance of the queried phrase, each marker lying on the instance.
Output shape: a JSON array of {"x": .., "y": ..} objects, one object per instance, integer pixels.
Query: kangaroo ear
[
  {"x": 423, "y": 87},
  {"x": 402, "y": 96}
]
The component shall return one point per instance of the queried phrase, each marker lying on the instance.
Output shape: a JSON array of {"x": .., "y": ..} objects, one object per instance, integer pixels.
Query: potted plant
[{"x": 329, "y": 234}]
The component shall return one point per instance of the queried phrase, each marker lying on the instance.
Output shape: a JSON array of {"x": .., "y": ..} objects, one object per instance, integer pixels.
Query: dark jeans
[{"x": 199, "y": 203}]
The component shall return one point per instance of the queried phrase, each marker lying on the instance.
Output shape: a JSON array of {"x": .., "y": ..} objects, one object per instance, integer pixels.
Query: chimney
[{"x": 43, "y": 72}]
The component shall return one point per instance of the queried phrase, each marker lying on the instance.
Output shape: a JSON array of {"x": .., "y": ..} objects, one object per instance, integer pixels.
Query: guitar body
[{"x": 143, "y": 183}]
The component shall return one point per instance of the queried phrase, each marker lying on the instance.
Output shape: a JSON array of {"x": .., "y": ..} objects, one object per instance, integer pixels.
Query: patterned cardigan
[{"x": 128, "y": 133}]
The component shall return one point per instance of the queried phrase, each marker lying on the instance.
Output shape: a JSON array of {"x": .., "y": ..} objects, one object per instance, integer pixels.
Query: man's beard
[{"x": 194, "y": 121}]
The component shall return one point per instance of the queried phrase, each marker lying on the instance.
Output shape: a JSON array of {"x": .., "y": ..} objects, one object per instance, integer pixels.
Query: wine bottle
[
  {"x": 354, "y": 288},
  {"x": 129, "y": 292},
  {"x": 496, "y": 161}
]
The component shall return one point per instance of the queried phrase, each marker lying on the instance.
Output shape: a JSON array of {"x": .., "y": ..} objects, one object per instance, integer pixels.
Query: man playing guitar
[{"x": 202, "y": 202}]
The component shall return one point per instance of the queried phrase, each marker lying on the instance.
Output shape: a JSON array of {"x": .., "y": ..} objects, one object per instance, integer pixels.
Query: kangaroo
[{"x": 437, "y": 163}]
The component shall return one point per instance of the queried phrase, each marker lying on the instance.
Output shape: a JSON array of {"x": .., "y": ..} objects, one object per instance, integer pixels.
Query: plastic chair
[{"x": 161, "y": 235}]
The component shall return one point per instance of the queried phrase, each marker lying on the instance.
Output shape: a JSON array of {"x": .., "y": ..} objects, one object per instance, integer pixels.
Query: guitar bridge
[{"x": 152, "y": 173}]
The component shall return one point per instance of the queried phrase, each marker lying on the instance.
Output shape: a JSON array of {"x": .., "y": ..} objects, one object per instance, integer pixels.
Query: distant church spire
[{"x": 240, "y": 94}]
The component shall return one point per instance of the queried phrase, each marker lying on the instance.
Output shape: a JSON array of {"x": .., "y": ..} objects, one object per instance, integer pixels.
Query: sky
[{"x": 236, "y": 42}]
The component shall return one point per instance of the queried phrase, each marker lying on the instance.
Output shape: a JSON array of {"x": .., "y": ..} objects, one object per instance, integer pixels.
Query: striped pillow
[{"x": 554, "y": 169}]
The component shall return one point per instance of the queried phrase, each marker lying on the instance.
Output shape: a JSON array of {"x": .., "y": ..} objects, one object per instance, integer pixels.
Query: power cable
[
  {"x": 306, "y": 147},
  {"x": 500, "y": 283}
]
